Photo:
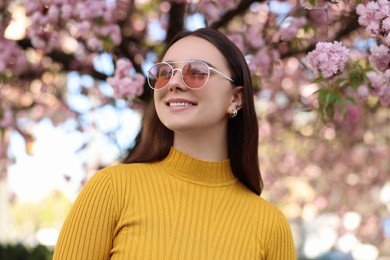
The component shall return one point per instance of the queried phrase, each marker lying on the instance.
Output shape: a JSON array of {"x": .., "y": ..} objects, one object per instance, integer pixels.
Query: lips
[{"x": 180, "y": 103}]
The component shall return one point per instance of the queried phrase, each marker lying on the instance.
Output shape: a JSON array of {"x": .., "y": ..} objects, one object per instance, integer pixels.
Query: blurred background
[{"x": 73, "y": 93}]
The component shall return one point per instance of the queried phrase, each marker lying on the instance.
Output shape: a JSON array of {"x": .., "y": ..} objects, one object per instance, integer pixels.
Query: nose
[{"x": 176, "y": 81}]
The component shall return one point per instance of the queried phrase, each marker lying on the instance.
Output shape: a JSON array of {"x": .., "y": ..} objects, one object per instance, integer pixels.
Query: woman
[{"x": 191, "y": 188}]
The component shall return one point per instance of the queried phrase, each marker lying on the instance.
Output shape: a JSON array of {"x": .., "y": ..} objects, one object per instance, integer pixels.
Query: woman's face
[{"x": 183, "y": 109}]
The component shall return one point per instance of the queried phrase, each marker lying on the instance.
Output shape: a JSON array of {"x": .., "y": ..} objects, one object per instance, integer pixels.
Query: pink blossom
[
  {"x": 95, "y": 22},
  {"x": 289, "y": 31},
  {"x": 210, "y": 10},
  {"x": 84, "y": 27},
  {"x": 362, "y": 92},
  {"x": 384, "y": 97},
  {"x": 319, "y": 17},
  {"x": 123, "y": 67},
  {"x": 124, "y": 84},
  {"x": 386, "y": 24},
  {"x": 374, "y": 17},
  {"x": 320, "y": 4},
  {"x": 66, "y": 11},
  {"x": 94, "y": 43},
  {"x": 33, "y": 7},
  {"x": 380, "y": 57},
  {"x": 254, "y": 38},
  {"x": 375, "y": 80},
  {"x": 116, "y": 35},
  {"x": 238, "y": 40},
  {"x": 45, "y": 40},
  {"x": 227, "y": 4},
  {"x": 6, "y": 118},
  {"x": 328, "y": 58},
  {"x": 350, "y": 119},
  {"x": 91, "y": 9},
  {"x": 53, "y": 14},
  {"x": 262, "y": 62},
  {"x": 12, "y": 57},
  {"x": 386, "y": 78},
  {"x": 380, "y": 85}
]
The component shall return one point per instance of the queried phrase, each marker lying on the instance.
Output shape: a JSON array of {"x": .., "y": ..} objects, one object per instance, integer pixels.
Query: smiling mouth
[{"x": 180, "y": 104}]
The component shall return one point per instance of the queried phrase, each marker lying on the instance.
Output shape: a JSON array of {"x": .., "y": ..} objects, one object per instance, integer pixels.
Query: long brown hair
[{"x": 155, "y": 140}]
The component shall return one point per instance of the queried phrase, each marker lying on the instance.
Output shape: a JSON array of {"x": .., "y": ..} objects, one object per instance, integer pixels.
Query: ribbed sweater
[{"x": 178, "y": 208}]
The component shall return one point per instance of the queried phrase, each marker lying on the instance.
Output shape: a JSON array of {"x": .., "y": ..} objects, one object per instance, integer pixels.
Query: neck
[
  {"x": 206, "y": 146},
  {"x": 198, "y": 171}
]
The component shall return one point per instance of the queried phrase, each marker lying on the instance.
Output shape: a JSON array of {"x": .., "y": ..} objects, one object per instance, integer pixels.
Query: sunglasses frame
[{"x": 181, "y": 72}]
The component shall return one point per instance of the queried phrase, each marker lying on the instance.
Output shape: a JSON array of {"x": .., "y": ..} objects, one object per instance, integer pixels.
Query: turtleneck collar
[{"x": 190, "y": 169}]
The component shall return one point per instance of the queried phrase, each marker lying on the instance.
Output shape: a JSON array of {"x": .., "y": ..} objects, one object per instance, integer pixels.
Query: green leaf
[
  {"x": 329, "y": 97},
  {"x": 108, "y": 43},
  {"x": 318, "y": 80},
  {"x": 338, "y": 99},
  {"x": 99, "y": 20},
  {"x": 329, "y": 111}
]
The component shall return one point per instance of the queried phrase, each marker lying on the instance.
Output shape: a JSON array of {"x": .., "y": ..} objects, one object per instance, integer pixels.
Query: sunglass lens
[
  {"x": 159, "y": 75},
  {"x": 195, "y": 74}
]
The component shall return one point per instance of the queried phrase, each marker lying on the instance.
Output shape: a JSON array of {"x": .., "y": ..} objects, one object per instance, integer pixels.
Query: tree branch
[
  {"x": 176, "y": 20},
  {"x": 352, "y": 25},
  {"x": 242, "y": 7}
]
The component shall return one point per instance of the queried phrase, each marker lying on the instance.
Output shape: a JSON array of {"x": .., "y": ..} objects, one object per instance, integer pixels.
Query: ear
[{"x": 237, "y": 100}]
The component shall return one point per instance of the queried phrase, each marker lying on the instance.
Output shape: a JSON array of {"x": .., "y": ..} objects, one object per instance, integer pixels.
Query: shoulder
[
  {"x": 267, "y": 211},
  {"x": 128, "y": 170},
  {"x": 265, "y": 206},
  {"x": 269, "y": 217},
  {"x": 273, "y": 230},
  {"x": 128, "y": 175}
]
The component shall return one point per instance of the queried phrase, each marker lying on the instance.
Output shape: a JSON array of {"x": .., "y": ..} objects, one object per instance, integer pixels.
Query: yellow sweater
[{"x": 179, "y": 208}]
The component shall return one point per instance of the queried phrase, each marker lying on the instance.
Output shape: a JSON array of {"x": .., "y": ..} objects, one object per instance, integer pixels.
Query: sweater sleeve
[
  {"x": 87, "y": 232},
  {"x": 281, "y": 245}
]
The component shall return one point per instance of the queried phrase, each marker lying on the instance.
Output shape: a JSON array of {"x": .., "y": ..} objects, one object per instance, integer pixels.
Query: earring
[{"x": 234, "y": 113}]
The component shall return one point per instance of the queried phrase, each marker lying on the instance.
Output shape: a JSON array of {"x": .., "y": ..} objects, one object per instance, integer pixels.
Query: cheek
[
  {"x": 216, "y": 94},
  {"x": 158, "y": 96}
]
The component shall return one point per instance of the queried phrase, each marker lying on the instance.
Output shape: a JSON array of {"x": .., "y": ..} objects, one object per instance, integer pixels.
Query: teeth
[{"x": 179, "y": 104}]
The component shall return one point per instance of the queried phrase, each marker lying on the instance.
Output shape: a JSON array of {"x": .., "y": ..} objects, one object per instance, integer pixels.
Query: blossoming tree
[{"x": 321, "y": 74}]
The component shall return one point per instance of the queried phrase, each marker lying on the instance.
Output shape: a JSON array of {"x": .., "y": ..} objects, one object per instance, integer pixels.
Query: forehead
[{"x": 194, "y": 48}]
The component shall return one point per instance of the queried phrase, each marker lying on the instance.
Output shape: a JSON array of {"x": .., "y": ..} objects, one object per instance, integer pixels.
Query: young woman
[{"x": 191, "y": 188}]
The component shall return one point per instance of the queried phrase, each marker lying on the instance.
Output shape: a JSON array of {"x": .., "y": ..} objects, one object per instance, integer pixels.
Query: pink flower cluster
[
  {"x": 124, "y": 84},
  {"x": 328, "y": 58},
  {"x": 348, "y": 119},
  {"x": 380, "y": 85},
  {"x": 6, "y": 118},
  {"x": 375, "y": 18},
  {"x": 95, "y": 22},
  {"x": 290, "y": 28},
  {"x": 316, "y": 4},
  {"x": 380, "y": 57},
  {"x": 213, "y": 10},
  {"x": 11, "y": 57},
  {"x": 261, "y": 63}
]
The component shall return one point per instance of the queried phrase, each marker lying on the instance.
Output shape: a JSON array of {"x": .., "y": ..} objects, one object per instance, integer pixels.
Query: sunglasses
[{"x": 194, "y": 74}]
